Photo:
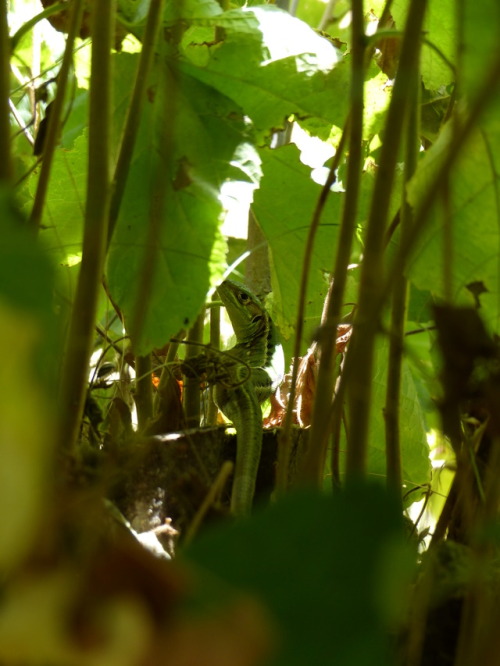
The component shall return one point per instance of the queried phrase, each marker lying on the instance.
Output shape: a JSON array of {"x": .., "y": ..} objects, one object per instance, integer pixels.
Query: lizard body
[{"x": 252, "y": 380}]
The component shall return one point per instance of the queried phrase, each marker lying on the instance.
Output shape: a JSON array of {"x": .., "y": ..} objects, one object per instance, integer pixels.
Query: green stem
[
  {"x": 54, "y": 121},
  {"x": 134, "y": 111},
  {"x": 315, "y": 458},
  {"x": 81, "y": 329},
  {"x": 399, "y": 305},
  {"x": 6, "y": 159},
  {"x": 359, "y": 358}
]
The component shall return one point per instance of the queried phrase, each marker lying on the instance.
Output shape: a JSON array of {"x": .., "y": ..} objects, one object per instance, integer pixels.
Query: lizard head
[{"x": 247, "y": 314}]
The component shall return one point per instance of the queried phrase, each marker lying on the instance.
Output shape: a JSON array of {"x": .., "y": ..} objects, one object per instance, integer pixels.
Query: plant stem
[
  {"x": 143, "y": 391},
  {"x": 6, "y": 160},
  {"x": 399, "y": 304},
  {"x": 80, "y": 337},
  {"x": 214, "y": 344},
  {"x": 314, "y": 460},
  {"x": 359, "y": 358},
  {"x": 192, "y": 384},
  {"x": 284, "y": 438},
  {"x": 166, "y": 373},
  {"x": 54, "y": 121},
  {"x": 134, "y": 111}
]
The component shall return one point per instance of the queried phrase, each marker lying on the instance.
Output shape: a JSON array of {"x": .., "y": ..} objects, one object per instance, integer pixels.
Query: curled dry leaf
[{"x": 306, "y": 383}]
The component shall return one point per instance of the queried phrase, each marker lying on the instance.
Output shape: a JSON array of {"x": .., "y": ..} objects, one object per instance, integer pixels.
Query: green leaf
[
  {"x": 414, "y": 449},
  {"x": 284, "y": 206},
  {"x": 194, "y": 153},
  {"x": 481, "y": 28},
  {"x": 61, "y": 230},
  {"x": 475, "y": 214},
  {"x": 413, "y": 437},
  {"x": 272, "y": 65},
  {"x": 331, "y": 570},
  {"x": 191, "y": 10},
  {"x": 377, "y": 97},
  {"x": 441, "y": 31},
  {"x": 134, "y": 12}
]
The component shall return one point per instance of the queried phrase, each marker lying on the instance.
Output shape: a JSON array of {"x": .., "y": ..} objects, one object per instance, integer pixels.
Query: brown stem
[
  {"x": 314, "y": 460},
  {"x": 359, "y": 358}
]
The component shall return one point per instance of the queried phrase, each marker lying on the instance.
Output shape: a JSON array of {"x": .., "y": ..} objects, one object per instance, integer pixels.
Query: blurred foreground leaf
[{"x": 332, "y": 570}]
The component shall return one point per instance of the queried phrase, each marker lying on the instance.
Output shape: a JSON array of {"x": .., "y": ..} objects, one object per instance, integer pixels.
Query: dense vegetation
[{"x": 366, "y": 136}]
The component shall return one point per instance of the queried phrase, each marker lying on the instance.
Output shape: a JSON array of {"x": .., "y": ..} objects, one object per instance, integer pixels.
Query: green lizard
[{"x": 252, "y": 380}]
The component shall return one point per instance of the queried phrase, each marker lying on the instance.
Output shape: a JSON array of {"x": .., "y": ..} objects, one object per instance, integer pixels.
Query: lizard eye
[
  {"x": 256, "y": 319},
  {"x": 244, "y": 297}
]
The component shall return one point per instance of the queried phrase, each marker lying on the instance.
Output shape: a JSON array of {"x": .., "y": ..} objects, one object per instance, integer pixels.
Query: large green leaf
[
  {"x": 192, "y": 135},
  {"x": 481, "y": 30},
  {"x": 283, "y": 206},
  {"x": 272, "y": 65},
  {"x": 440, "y": 31},
  {"x": 62, "y": 222},
  {"x": 414, "y": 448},
  {"x": 474, "y": 218}
]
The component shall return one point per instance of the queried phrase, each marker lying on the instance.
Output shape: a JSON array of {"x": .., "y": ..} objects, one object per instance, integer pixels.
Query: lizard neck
[{"x": 253, "y": 343}]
